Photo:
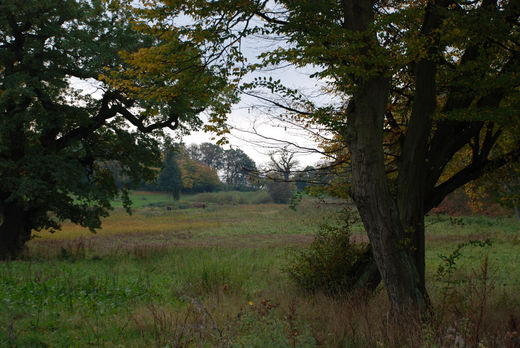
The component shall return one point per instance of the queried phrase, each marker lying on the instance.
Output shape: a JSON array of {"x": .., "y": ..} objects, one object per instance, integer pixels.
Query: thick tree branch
[
  {"x": 172, "y": 121},
  {"x": 268, "y": 19},
  {"x": 471, "y": 172},
  {"x": 104, "y": 113}
]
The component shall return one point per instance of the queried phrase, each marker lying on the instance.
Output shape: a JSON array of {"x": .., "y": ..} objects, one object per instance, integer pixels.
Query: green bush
[
  {"x": 281, "y": 191},
  {"x": 332, "y": 263}
]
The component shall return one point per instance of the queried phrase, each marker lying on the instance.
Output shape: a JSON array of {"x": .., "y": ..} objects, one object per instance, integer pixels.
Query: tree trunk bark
[
  {"x": 14, "y": 232},
  {"x": 414, "y": 229},
  {"x": 411, "y": 182},
  {"x": 374, "y": 200}
]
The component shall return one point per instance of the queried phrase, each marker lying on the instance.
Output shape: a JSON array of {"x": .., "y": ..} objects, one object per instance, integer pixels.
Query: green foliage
[
  {"x": 449, "y": 262},
  {"x": 170, "y": 179},
  {"x": 296, "y": 199},
  {"x": 280, "y": 191},
  {"x": 71, "y": 289},
  {"x": 198, "y": 177},
  {"x": 332, "y": 262},
  {"x": 56, "y": 140}
]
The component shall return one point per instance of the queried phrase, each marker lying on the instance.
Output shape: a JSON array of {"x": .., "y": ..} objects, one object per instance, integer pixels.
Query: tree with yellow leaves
[{"x": 413, "y": 85}]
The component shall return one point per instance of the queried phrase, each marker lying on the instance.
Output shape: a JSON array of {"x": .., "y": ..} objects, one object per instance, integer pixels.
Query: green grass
[
  {"x": 197, "y": 223},
  {"x": 212, "y": 277},
  {"x": 445, "y": 233},
  {"x": 62, "y": 300},
  {"x": 142, "y": 199}
]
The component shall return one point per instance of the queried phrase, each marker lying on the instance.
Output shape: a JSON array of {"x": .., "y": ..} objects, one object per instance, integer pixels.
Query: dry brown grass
[{"x": 218, "y": 220}]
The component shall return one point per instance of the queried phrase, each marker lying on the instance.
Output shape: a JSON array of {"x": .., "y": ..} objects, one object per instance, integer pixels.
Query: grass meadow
[{"x": 209, "y": 273}]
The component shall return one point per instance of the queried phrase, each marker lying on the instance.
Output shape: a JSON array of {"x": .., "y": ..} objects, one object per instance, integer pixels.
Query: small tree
[
  {"x": 198, "y": 177},
  {"x": 170, "y": 179},
  {"x": 282, "y": 163},
  {"x": 280, "y": 183}
]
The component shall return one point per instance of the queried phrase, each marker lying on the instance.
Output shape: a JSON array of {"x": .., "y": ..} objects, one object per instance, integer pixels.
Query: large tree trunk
[
  {"x": 415, "y": 239},
  {"x": 411, "y": 183},
  {"x": 394, "y": 220},
  {"x": 14, "y": 232},
  {"x": 376, "y": 205}
]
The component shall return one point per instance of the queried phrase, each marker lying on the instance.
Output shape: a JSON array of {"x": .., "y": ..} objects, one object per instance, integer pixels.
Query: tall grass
[
  {"x": 228, "y": 297},
  {"x": 212, "y": 277}
]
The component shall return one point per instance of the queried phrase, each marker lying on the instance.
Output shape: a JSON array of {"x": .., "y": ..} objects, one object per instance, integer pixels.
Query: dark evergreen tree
[{"x": 170, "y": 179}]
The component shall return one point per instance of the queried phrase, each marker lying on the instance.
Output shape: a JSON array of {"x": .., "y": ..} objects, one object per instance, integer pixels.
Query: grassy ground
[{"x": 213, "y": 276}]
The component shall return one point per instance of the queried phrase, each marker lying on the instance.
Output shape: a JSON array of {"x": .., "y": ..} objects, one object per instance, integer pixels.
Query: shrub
[
  {"x": 280, "y": 191},
  {"x": 332, "y": 263}
]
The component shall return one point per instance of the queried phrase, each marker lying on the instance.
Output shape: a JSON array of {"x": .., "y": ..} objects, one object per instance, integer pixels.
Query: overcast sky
[{"x": 252, "y": 116}]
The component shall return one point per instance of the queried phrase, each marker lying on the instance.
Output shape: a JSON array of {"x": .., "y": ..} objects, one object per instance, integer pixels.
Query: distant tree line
[
  {"x": 208, "y": 167},
  {"x": 204, "y": 168},
  {"x": 237, "y": 170}
]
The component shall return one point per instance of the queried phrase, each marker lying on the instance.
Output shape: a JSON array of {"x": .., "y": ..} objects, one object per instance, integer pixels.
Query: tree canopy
[
  {"x": 422, "y": 93},
  {"x": 210, "y": 154},
  {"x": 55, "y": 138},
  {"x": 235, "y": 167}
]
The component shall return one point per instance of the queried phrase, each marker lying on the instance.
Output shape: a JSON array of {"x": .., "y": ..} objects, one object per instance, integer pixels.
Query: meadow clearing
[{"x": 210, "y": 272}]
